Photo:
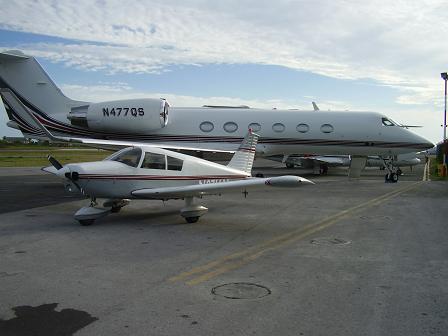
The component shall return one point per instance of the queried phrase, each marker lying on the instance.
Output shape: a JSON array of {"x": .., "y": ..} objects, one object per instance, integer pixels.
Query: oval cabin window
[
  {"x": 278, "y": 127},
  {"x": 326, "y": 128},
  {"x": 302, "y": 128},
  {"x": 206, "y": 126},
  {"x": 230, "y": 127},
  {"x": 254, "y": 127}
]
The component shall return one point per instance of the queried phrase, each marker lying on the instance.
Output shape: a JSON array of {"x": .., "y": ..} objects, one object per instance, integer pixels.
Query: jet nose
[
  {"x": 427, "y": 144},
  {"x": 421, "y": 143}
]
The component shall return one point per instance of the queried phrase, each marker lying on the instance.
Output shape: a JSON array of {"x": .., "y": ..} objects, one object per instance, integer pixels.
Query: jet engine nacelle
[{"x": 130, "y": 116}]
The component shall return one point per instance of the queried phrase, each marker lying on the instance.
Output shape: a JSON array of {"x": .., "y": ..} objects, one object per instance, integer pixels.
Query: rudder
[{"x": 243, "y": 158}]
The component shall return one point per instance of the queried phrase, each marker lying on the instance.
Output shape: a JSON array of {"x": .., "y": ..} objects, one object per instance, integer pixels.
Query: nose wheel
[
  {"x": 391, "y": 178},
  {"x": 392, "y": 172}
]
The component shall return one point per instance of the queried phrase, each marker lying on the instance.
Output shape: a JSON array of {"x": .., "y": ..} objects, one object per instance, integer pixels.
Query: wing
[
  {"x": 331, "y": 160},
  {"x": 115, "y": 144},
  {"x": 221, "y": 187}
]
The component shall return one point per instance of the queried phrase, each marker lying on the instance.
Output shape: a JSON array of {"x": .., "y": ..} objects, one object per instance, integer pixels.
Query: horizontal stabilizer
[
  {"x": 25, "y": 119},
  {"x": 12, "y": 56}
]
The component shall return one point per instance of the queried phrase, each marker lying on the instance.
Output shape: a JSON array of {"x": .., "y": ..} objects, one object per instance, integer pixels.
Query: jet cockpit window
[
  {"x": 130, "y": 157},
  {"x": 154, "y": 161},
  {"x": 388, "y": 122},
  {"x": 174, "y": 163}
]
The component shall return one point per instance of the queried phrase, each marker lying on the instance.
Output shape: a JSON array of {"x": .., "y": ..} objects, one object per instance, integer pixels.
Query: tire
[
  {"x": 86, "y": 222},
  {"x": 115, "y": 209},
  {"x": 289, "y": 165},
  {"x": 259, "y": 175},
  {"x": 192, "y": 219},
  {"x": 399, "y": 172},
  {"x": 394, "y": 178}
]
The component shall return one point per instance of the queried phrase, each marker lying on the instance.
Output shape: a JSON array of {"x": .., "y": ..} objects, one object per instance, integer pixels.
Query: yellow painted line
[{"x": 238, "y": 259}]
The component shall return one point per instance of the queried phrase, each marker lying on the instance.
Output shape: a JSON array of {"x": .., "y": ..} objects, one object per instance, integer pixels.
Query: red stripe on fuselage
[{"x": 158, "y": 177}]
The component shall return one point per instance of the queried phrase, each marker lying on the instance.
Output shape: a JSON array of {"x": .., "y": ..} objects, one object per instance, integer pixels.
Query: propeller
[
  {"x": 72, "y": 176},
  {"x": 55, "y": 163}
]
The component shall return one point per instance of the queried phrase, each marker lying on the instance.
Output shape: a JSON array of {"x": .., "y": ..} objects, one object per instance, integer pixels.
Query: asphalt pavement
[{"x": 341, "y": 257}]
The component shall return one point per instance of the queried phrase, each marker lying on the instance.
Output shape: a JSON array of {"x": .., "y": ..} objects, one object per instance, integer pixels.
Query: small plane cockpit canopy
[
  {"x": 388, "y": 122},
  {"x": 161, "y": 161},
  {"x": 128, "y": 156}
]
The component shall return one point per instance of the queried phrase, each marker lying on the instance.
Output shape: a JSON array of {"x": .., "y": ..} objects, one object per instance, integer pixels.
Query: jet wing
[
  {"x": 209, "y": 188},
  {"x": 116, "y": 144},
  {"x": 331, "y": 160}
]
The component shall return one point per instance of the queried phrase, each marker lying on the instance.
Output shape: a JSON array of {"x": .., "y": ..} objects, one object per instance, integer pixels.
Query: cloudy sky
[{"x": 383, "y": 56}]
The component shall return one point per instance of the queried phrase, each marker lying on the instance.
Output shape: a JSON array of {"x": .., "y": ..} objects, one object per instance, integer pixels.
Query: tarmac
[{"x": 341, "y": 257}]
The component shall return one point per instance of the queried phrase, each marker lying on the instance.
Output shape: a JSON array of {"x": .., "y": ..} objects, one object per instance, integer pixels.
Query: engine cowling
[{"x": 124, "y": 116}]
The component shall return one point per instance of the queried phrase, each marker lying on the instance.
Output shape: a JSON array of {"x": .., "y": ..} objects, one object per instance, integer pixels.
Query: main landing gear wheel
[
  {"x": 391, "y": 178},
  {"x": 289, "y": 165},
  {"x": 86, "y": 222},
  {"x": 399, "y": 172},
  {"x": 192, "y": 211},
  {"x": 192, "y": 219}
]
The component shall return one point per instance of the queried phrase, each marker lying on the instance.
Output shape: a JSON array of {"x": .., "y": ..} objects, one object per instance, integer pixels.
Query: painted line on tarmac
[{"x": 236, "y": 260}]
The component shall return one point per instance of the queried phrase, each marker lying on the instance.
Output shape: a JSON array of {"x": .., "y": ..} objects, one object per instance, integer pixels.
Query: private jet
[{"x": 25, "y": 86}]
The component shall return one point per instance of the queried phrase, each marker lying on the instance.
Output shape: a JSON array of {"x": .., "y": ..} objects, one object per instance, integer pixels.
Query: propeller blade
[{"x": 55, "y": 163}]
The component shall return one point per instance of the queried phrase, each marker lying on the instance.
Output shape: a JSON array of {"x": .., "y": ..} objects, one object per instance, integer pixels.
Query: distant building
[{"x": 16, "y": 139}]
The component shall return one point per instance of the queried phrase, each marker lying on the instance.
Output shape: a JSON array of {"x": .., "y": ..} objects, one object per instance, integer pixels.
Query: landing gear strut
[
  {"x": 392, "y": 174},
  {"x": 192, "y": 211},
  {"x": 87, "y": 215}
]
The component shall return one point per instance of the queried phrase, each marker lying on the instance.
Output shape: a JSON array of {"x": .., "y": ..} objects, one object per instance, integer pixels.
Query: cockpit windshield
[
  {"x": 130, "y": 156},
  {"x": 388, "y": 122}
]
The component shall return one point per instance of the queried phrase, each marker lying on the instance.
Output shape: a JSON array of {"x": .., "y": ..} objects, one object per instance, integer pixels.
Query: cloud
[{"x": 398, "y": 44}]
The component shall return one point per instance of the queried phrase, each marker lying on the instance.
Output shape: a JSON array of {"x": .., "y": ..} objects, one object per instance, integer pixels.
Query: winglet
[{"x": 243, "y": 158}]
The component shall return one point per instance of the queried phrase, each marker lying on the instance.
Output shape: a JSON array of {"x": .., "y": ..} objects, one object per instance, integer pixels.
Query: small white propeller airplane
[{"x": 149, "y": 172}]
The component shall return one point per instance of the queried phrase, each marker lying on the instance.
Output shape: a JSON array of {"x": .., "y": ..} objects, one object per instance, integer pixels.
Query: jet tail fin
[
  {"x": 23, "y": 75},
  {"x": 315, "y": 107},
  {"x": 243, "y": 158}
]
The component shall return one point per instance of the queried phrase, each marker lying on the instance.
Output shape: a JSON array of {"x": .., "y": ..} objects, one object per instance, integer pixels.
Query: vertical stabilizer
[
  {"x": 23, "y": 76},
  {"x": 243, "y": 158}
]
